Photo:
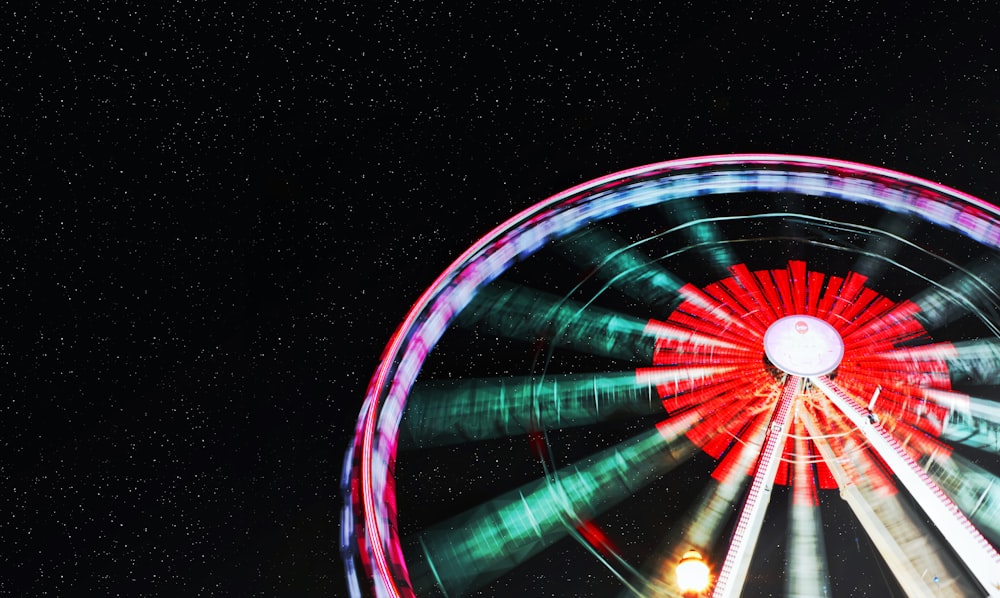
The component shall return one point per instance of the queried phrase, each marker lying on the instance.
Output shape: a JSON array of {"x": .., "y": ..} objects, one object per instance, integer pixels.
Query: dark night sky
[{"x": 215, "y": 216}]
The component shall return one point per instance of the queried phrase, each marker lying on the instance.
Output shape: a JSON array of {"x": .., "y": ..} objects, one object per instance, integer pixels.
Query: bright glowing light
[{"x": 692, "y": 573}]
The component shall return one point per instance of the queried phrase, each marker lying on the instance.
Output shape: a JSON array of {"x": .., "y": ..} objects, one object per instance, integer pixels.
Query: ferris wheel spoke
[
  {"x": 893, "y": 229},
  {"x": 764, "y": 309},
  {"x": 722, "y": 389},
  {"x": 894, "y": 324},
  {"x": 975, "y": 490},
  {"x": 477, "y": 409},
  {"x": 624, "y": 267},
  {"x": 871, "y": 315},
  {"x": 726, "y": 418},
  {"x": 642, "y": 279},
  {"x": 674, "y": 380},
  {"x": 472, "y": 549},
  {"x": 904, "y": 394},
  {"x": 976, "y": 362},
  {"x": 706, "y": 314},
  {"x": 914, "y": 369},
  {"x": 970, "y": 291},
  {"x": 676, "y": 342},
  {"x": 851, "y": 296},
  {"x": 969, "y": 362},
  {"x": 807, "y": 565},
  {"x": 529, "y": 315},
  {"x": 969, "y": 421},
  {"x": 701, "y": 232}
]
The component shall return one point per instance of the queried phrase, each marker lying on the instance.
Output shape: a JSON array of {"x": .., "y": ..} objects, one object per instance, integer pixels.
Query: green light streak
[
  {"x": 971, "y": 421},
  {"x": 882, "y": 245},
  {"x": 970, "y": 291},
  {"x": 976, "y": 361},
  {"x": 472, "y": 549},
  {"x": 702, "y": 232},
  {"x": 528, "y": 315},
  {"x": 477, "y": 409},
  {"x": 625, "y": 268},
  {"x": 975, "y": 490}
]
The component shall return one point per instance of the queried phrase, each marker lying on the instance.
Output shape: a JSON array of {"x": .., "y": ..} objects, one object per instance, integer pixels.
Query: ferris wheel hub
[{"x": 803, "y": 345}]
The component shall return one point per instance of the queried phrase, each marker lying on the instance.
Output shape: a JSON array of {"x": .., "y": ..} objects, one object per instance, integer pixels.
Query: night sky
[{"x": 215, "y": 216}]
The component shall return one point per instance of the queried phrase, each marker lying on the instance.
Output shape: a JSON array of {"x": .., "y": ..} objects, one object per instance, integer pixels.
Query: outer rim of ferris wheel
[{"x": 601, "y": 198}]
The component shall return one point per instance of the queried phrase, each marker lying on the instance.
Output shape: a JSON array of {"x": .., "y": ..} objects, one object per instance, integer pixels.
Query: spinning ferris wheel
[{"x": 784, "y": 367}]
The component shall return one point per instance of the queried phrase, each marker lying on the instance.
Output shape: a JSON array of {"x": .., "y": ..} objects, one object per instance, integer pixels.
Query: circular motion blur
[{"x": 780, "y": 372}]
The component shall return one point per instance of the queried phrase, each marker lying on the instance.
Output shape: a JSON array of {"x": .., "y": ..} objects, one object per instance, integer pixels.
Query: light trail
[
  {"x": 884, "y": 245},
  {"x": 702, "y": 232},
  {"x": 807, "y": 575},
  {"x": 624, "y": 267},
  {"x": 970, "y": 291},
  {"x": 529, "y": 315},
  {"x": 475, "y": 547},
  {"x": 975, "y": 490},
  {"x": 476, "y": 409}
]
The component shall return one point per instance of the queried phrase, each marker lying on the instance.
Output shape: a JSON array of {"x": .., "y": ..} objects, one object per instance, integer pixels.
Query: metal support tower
[
  {"x": 975, "y": 551},
  {"x": 734, "y": 569}
]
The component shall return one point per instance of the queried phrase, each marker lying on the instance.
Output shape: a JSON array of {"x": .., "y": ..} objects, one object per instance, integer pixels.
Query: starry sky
[{"x": 214, "y": 217}]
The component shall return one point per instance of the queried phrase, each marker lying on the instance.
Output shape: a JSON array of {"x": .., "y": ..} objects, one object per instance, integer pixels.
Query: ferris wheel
[{"x": 780, "y": 371}]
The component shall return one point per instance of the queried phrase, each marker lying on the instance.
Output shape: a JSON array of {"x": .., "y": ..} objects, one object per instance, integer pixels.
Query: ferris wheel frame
[{"x": 369, "y": 518}]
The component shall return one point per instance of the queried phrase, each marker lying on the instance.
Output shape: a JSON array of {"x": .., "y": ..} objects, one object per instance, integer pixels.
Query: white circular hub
[{"x": 803, "y": 346}]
